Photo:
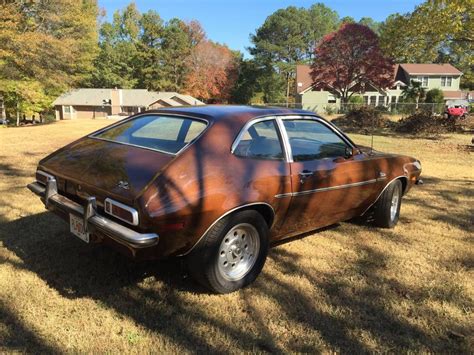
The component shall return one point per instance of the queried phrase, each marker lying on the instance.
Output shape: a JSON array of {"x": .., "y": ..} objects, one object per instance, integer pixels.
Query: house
[
  {"x": 440, "y": 76},
  {"x": 95, "y": 103}
]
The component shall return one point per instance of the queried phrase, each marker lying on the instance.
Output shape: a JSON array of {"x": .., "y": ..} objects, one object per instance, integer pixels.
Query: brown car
[{"x": 219, "y": 185}]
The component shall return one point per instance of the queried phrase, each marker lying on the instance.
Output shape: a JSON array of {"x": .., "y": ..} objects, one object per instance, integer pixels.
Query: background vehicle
[
  {"x": 456, "y": 109},
  {"x": 219, "y": 185}
]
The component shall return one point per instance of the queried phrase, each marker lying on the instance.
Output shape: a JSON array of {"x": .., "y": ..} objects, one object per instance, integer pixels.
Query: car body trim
[
  {"x": 286, "y": 140},
  {"x": 226, "y": 214},
  {"x": 337, "y": 187}
]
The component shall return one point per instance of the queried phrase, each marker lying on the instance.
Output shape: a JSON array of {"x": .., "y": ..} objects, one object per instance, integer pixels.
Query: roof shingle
[
  {"x": 129, "y": 97},
  {"x": 414, "y": 68}
]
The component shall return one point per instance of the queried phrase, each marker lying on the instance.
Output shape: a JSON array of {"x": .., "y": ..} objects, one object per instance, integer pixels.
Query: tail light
[{"x": 121, "y": 211}]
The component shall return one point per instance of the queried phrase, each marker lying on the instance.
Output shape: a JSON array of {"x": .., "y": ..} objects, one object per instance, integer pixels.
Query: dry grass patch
[{"x": 351, "y": 287}]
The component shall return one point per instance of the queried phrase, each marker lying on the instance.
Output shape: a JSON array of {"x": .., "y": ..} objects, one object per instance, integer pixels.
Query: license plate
[{"x": 77, "y": 227}]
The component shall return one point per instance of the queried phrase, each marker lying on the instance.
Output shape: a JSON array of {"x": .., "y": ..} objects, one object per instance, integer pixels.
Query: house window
[
  {"x": 394, "y": 99},
  {"x": 366, "y": 100},
  {"x": 446, "y": 81},
  {"x": 373, "y": 100},
  {"x": 381, "y": 100},
  {"x": 423, "y": 80},
  {"x": 67, "y": 109}
]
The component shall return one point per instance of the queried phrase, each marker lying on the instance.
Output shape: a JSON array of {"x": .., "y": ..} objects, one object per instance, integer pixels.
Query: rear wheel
[
  {"x": 387, "y": 208},
  {"x": 232, "y": 254}
]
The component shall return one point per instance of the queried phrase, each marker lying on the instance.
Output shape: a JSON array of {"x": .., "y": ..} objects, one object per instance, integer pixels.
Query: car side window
[
  {"x": 312, "y": 140},
  {"x": 261, "y": 141}
]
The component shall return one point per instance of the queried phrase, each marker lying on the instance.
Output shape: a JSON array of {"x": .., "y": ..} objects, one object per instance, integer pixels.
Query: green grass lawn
[{"x": 349, "y": 288}]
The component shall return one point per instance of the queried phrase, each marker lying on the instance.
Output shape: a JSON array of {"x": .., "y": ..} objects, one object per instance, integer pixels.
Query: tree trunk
[
  {"x": 416, "y": 100},
  {"x": 17, "y": 113}
]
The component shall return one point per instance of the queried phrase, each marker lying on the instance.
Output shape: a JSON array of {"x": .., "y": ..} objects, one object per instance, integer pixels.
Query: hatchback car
[{"x": 218, "y": 185}]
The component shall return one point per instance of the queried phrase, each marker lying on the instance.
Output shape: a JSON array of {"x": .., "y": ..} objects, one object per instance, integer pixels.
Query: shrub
[
  {"x": 434, "y": 96},
  {"x": 356, "y": 99},
  {"x": 329, "y": 110}
]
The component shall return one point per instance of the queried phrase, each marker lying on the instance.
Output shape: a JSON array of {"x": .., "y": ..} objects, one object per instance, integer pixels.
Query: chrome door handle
[{"x": 305, "y": 174}]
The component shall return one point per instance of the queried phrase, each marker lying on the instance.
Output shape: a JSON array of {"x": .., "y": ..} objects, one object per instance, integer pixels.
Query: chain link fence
[{"x": 397, "y": 108}]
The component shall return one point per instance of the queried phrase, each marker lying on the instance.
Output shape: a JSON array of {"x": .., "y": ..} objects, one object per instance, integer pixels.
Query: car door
[
  {"x": 331, "y": 180},
  {"x": 261, "y": 166}
]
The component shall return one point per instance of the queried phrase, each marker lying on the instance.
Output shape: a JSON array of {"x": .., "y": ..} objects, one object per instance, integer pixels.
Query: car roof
[{"x": 223, "y": 112}]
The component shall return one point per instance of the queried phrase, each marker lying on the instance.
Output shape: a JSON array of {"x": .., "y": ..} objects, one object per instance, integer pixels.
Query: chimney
[{"x": 116, "y": 97}]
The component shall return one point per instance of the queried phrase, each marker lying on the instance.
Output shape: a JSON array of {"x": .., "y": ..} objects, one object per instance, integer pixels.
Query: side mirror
[{"x": 349, "y": 152}]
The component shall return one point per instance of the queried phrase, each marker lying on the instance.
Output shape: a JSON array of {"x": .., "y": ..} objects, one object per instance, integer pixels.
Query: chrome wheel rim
[
  {"x": 238, "y": 251},
  {"x": 395, "y": 202}
]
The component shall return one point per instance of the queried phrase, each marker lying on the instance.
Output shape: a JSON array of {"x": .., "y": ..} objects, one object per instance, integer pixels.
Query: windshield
[{"x": 164, "y": 133}]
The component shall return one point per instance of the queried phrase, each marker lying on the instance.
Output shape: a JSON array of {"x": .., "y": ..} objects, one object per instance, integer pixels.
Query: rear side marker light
[{"x": 121, "y": 211}]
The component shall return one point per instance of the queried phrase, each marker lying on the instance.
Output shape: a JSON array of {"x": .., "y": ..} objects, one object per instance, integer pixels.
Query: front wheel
[
  {"x": 387, "y": 208},
  {"x": 232, "y": 253}
]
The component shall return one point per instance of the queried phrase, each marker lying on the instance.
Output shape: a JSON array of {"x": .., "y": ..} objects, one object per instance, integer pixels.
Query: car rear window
[{"x": 164, "y": 133}]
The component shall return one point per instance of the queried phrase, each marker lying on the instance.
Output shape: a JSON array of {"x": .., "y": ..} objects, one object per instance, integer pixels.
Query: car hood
[{"x": 112, "y": 169}]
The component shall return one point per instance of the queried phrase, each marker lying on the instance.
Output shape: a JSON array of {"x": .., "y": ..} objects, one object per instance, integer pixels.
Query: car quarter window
[
  {"x": 312, "y": 140},
  {"x": 260, "y": 141}
]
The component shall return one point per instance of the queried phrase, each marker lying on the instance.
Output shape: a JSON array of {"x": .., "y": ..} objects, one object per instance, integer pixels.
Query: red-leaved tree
[
  {"x": 213, "y": 71},
  {"x": 350, "y": 59}
]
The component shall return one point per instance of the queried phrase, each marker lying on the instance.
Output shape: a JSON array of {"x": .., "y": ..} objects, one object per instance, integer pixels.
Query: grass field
[{"x": 349, "y": 288}]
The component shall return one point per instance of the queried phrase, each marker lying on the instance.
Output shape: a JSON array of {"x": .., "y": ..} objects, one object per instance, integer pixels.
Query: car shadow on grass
[{"x": 156, "y": 295}]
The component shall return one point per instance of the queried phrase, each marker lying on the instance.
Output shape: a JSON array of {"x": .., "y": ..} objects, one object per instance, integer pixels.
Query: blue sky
[{"x": 231, "y": 21}]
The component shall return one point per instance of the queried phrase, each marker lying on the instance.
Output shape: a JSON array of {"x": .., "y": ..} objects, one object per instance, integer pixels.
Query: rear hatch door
[{"x": 105, "y": 168}]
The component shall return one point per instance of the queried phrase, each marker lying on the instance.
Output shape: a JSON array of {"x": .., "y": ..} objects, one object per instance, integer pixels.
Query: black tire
[
  {"x": 383, "y": 216},
  {"x": 203, "y": 261}
]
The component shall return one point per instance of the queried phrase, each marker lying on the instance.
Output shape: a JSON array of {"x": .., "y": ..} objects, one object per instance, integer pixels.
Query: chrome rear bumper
[{"x": 93, "y": 221}]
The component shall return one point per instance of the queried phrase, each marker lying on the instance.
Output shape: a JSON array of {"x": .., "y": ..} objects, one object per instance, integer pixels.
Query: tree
[
  {"x": 394, "y": 38},
  {"x": 370, "y": 23},
  {"x": 116, "y": 64},
  {"x": 350, "y": 58},
  {"x": 322, "y": 20},
  {"x": 212, "y": 72},
  {"x": 414, "y": 92},
  {"x": 437, "y": 31},
  {"x": 347, "y": 19},
  {"x": 149, "y": 54},
  {"x": 247, "y": 84},
  {"x": 176, "y": 47},
  {"x": 282, "y": 42},
  {"x": 25, "y": 96},
  {"x": 45, "y": 46},
  {"x": 288, "y": 37}
]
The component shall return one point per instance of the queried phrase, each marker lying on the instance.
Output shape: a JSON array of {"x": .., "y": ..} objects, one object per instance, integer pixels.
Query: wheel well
[
  {"x": 404, "y": 181},
  {"x": 265, "y": 210}
]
